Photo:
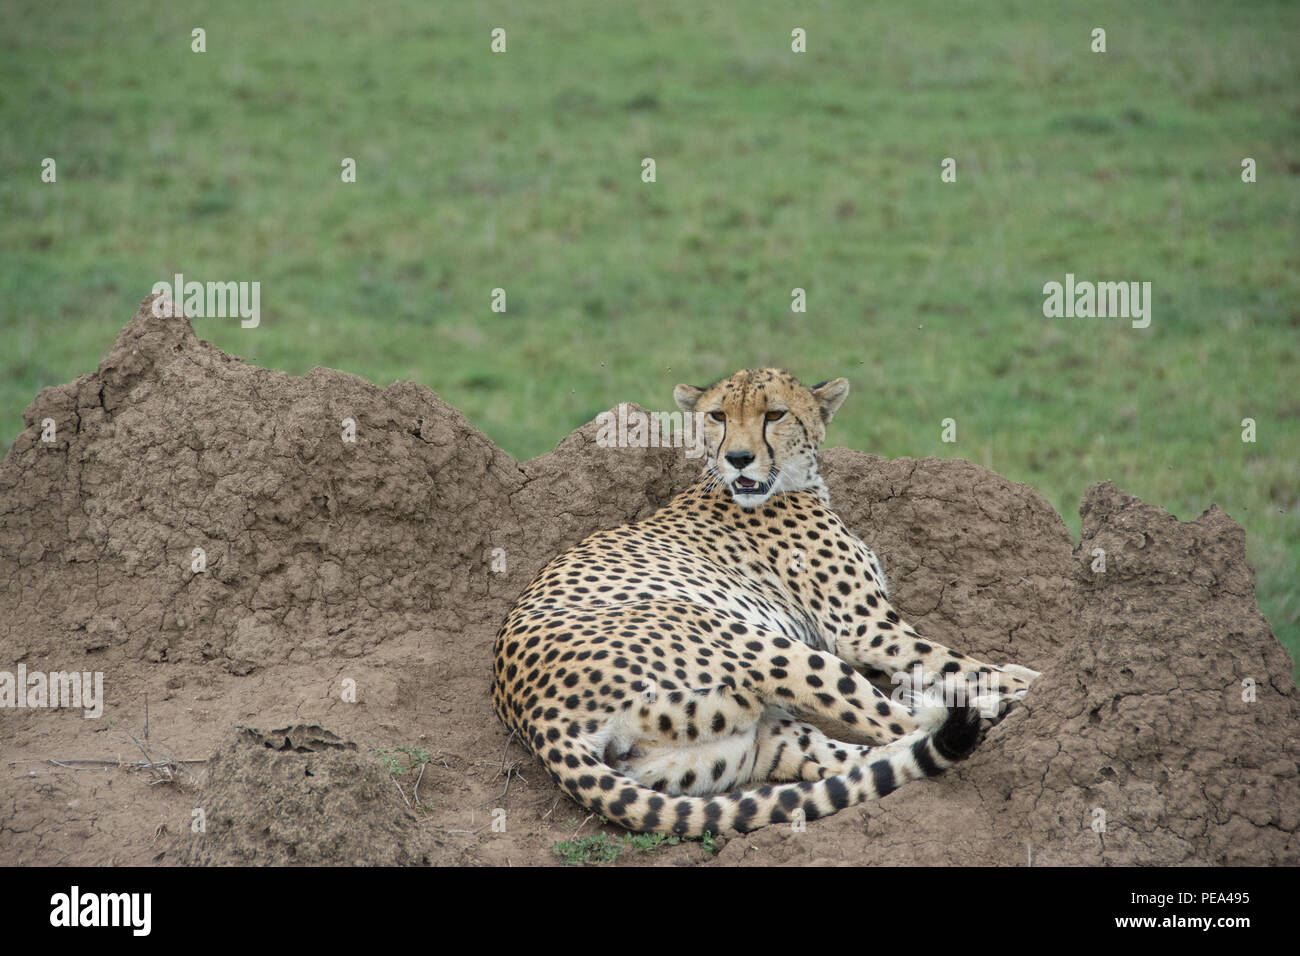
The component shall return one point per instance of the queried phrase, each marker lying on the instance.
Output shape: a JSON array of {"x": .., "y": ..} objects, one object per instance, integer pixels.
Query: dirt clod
[{"x": 277, "y": 801}]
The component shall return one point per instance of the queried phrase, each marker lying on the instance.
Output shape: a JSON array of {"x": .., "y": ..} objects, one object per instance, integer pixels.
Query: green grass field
[{"x": 775, "y": 170}]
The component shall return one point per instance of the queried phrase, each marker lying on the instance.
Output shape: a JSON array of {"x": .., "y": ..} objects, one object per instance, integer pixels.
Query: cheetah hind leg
[{"x": 789, "y": 749}]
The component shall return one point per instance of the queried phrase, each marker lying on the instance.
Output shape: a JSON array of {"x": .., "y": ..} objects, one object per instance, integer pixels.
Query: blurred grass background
[{"x": 775, "y": 171}]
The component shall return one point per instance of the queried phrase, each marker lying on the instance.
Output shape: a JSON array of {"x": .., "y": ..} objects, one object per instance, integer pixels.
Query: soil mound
[
  {"x": 231, "y": 545},
  {"x": 300, "y": 795}
]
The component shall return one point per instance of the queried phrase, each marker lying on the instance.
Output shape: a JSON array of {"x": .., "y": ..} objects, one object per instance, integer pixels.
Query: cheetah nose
[{"x": 739, "y": 459}]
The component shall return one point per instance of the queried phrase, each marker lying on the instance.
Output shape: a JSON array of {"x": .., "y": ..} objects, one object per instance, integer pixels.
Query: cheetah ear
[
  {"x": 830, "y": 396},
  {"x": 686, "y": 397}
]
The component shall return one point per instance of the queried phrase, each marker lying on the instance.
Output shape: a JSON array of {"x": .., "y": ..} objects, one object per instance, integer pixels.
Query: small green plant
[
  {"x": 602, "y": 848},
  {"x": 645, "y": 842},
  {"x": 393, "y": 762},
  {"x": 599, "y": 848}
]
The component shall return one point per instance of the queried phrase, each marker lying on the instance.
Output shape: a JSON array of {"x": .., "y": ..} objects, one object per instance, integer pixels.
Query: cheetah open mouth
[{"x": 748, "y": 486}]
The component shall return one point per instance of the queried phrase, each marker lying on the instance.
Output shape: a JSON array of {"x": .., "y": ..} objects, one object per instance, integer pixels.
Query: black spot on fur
[
  {"x": 959, "y": 733},
  {"x": 882, "y": 775},
  {"x": 838, "y": 793}
]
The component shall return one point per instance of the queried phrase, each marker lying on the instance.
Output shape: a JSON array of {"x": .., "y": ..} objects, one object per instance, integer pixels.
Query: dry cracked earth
[{"x": 1165, "y": 728}]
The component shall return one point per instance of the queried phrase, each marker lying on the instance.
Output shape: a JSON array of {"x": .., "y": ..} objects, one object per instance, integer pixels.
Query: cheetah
[{"x": 659, "y": 669}]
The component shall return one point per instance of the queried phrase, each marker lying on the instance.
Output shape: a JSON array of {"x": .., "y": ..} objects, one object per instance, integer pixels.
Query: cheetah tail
[{"x": 922, "y": 753}]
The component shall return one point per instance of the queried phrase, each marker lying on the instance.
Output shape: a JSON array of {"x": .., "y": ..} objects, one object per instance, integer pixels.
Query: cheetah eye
[
  {"x": 718, "y": 416},
  {"x": 774, "y": 415}
]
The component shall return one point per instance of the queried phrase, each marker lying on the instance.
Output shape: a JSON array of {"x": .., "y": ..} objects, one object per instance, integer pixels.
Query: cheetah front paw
[
  {"x": 1021, "y": 678},
  {"x": 1016, "y": 680}
]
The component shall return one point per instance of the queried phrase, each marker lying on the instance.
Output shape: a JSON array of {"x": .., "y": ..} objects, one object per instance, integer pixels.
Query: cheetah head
[{"x": 762, "y": 429}]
